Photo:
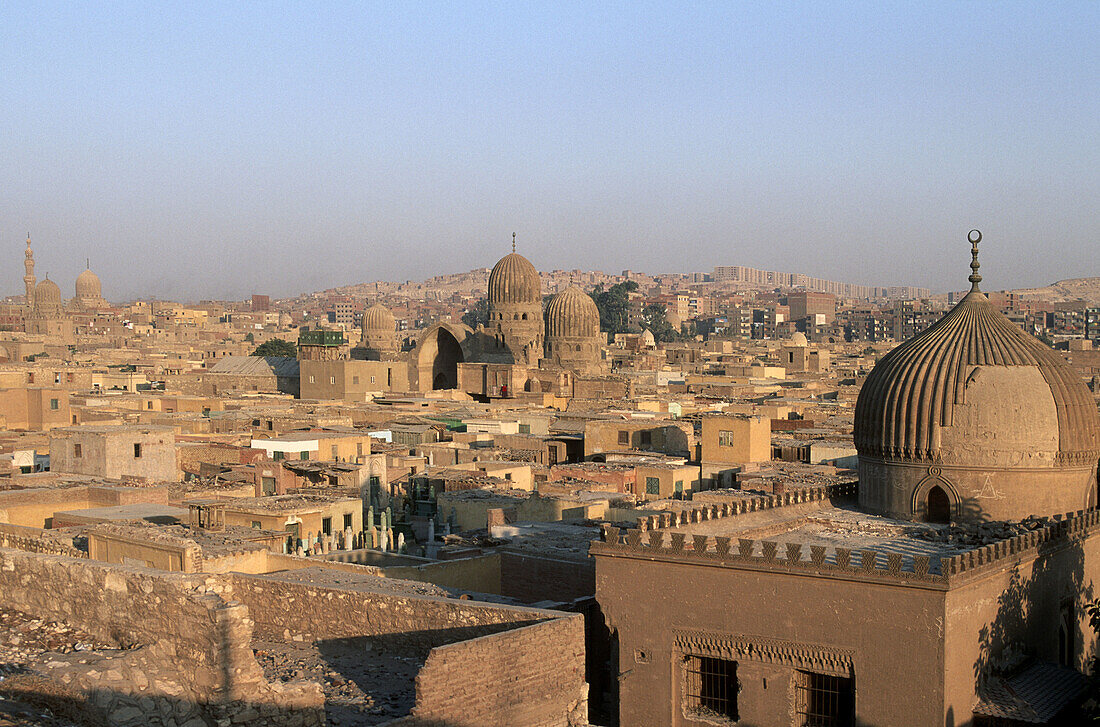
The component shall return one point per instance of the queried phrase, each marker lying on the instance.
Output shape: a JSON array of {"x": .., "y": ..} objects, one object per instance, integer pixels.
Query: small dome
[
  {"x": 514, "y": 280},
  {"x": 378, "y": 319},
  {"x": 572, "y": 313},
  {"x": 798, "y": 338},
  {"x": 87, "y": 285},
  {"x": 47, "y": 292},
  {"x": 647, "y": 339}
]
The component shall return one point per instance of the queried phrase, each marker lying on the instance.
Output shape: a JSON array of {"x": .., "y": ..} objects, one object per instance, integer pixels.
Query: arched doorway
[
  {"x": 938, "y": 509},
  {"x": 437, "y": 358}
]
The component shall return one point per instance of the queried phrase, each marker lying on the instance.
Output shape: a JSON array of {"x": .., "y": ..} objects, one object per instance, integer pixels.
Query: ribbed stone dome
[
  {"x": 378, "y": 319},
  {"x": 572, "y": 313},
  {"x": 514, "y": 280},
  {"x": 47, "y": 292},
  {"x": 911, "y": 396},
  {"x": 88, "y": 286},
  {"x": 975, "y": 419}
]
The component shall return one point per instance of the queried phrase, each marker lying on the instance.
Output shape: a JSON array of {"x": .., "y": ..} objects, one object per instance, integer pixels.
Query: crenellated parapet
[
  {"x": 654, "y": 542},
  {"x": 714, "y": 511}
]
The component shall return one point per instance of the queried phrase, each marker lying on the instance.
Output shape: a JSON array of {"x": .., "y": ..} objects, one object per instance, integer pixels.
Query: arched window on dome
[
  {"x": 938, "y": 509},
  {"x": 515, "y": 316},
  {"x": 524, "y": 316}
]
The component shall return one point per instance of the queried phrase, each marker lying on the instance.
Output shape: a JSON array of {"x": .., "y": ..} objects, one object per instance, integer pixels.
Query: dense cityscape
[{"x": 549, "y": 364}]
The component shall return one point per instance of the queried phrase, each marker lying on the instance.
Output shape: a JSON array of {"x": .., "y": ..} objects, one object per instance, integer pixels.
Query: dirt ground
[{"x": 362, "y": 686}]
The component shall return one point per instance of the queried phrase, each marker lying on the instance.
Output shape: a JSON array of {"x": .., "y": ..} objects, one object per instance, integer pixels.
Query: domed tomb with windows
[
  {"x": 573, "y": 338},
  {"x": 379, "y": 332},
  {"x": 974, "y": 419},
  {"x": 515, "y": 308}
]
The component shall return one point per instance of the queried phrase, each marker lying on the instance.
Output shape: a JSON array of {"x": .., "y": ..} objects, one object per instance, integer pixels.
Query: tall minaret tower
[{"x": 29, "y": 280}]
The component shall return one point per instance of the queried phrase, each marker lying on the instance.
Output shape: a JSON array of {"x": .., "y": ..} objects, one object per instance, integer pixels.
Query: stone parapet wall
[
  {"x": 818, "y": 560},
  {"x": 531, "y": 676},
  {"x": 195, "y": 653},
  {"x": 33, "y": 540},
  {"x": 713, "y": 511},
  {"x": 306, "y": 612}
]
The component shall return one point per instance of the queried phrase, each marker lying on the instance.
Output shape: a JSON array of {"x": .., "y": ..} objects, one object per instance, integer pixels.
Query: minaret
[{"x": 29, "y": 280}]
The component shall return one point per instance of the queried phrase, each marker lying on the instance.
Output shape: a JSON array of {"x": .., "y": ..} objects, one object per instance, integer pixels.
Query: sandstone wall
[
  {"x": 195, "y": 653},
  {"x": 533, "y": 578},
  {"x": 531, "y": 676},
  {"x": 305, "y": 612}
]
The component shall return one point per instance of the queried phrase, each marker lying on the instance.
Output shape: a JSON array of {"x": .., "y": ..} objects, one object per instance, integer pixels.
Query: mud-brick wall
[
  {"x": 533, "y": 578},
  {"x": 531, "y": 676},
  {"x": 303, "y": 612}
]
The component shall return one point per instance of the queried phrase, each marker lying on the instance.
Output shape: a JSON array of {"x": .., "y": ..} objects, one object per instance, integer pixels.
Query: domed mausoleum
[
  {"x": 573, "y": 338},
  {"x": 379, "y": 337},
  {"x": 975, "y": 419},
  {"x": 515, "y": 307},
  {"x": 47, "y": 300},
  {"x": 89, "y": 292}
]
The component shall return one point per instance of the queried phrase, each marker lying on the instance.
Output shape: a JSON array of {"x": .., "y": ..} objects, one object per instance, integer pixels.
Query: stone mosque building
[
  {"x": 520, "y": 349},
  {"x": 853, "y": 604},
  {"x": 975, "y": 419},
  {"x": 45, "y": 310}
]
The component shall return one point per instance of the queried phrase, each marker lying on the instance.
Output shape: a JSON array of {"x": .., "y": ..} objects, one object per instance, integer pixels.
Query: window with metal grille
[
  {"x": 652, "y": 486},
  {"x": 823, "y": 700},
  {"x": 711, "y": 687}
]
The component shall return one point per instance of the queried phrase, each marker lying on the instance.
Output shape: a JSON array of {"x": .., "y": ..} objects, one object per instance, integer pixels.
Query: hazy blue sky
[{"x": 219, "y": 149}]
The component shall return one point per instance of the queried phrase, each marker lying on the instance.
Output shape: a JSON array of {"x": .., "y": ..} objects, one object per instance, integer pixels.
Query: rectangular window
[
  {"x": 358, "y": 449},
  {"x": 524, "y": 428},
  {"x": 372, "y": 379},
  {"x": 332, "y": 380},
  {"x": 647, "y": 439},
  {"x": 257, "y": 525},
  {"x": 78, "y": 451},
  {"x": 304, "y": 455},
  {"x": 137, "y": 450},
  {"x": 679, "y": 486},
  {"x": 624, "y": 437},
  {"x": 347, "y": 520},
  {"x": 267, "y": 485},
  {"x": 652, "y": 486},
  {"x": 54, "y": 404},
  {"x": 276, "y": 455},
  {"x": 326, "y": 525},
  {"x": 334, "y": 452},
  {"x": 148, "y": 405},
  {"x": 824, "y": 700},
  {"x": 355, "y": 379},
  {"x": 725, "y": 438},
  {"x": 312, "y": 379},
  {"x": 711, "y": 688}
]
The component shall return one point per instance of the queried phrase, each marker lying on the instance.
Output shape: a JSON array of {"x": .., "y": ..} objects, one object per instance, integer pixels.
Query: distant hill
[{"x": 1066, "y": 290}]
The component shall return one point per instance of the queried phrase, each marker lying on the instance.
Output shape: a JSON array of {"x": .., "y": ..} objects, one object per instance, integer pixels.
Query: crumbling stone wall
[
  {"x": 35, "y": 540},
  {"x": 306, "y": 612},
  {"x": 485, "y": 664},
  {"x": 195, "y": 665}
]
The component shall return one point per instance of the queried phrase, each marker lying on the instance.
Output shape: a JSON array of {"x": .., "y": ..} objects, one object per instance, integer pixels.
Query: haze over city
[{"x": 216, "y": 151}]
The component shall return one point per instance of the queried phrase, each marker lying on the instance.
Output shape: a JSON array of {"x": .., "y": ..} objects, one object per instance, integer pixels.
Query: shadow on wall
[
  {"x": 28, "y": 698},
  {"x": 1039, "y": 616}
]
